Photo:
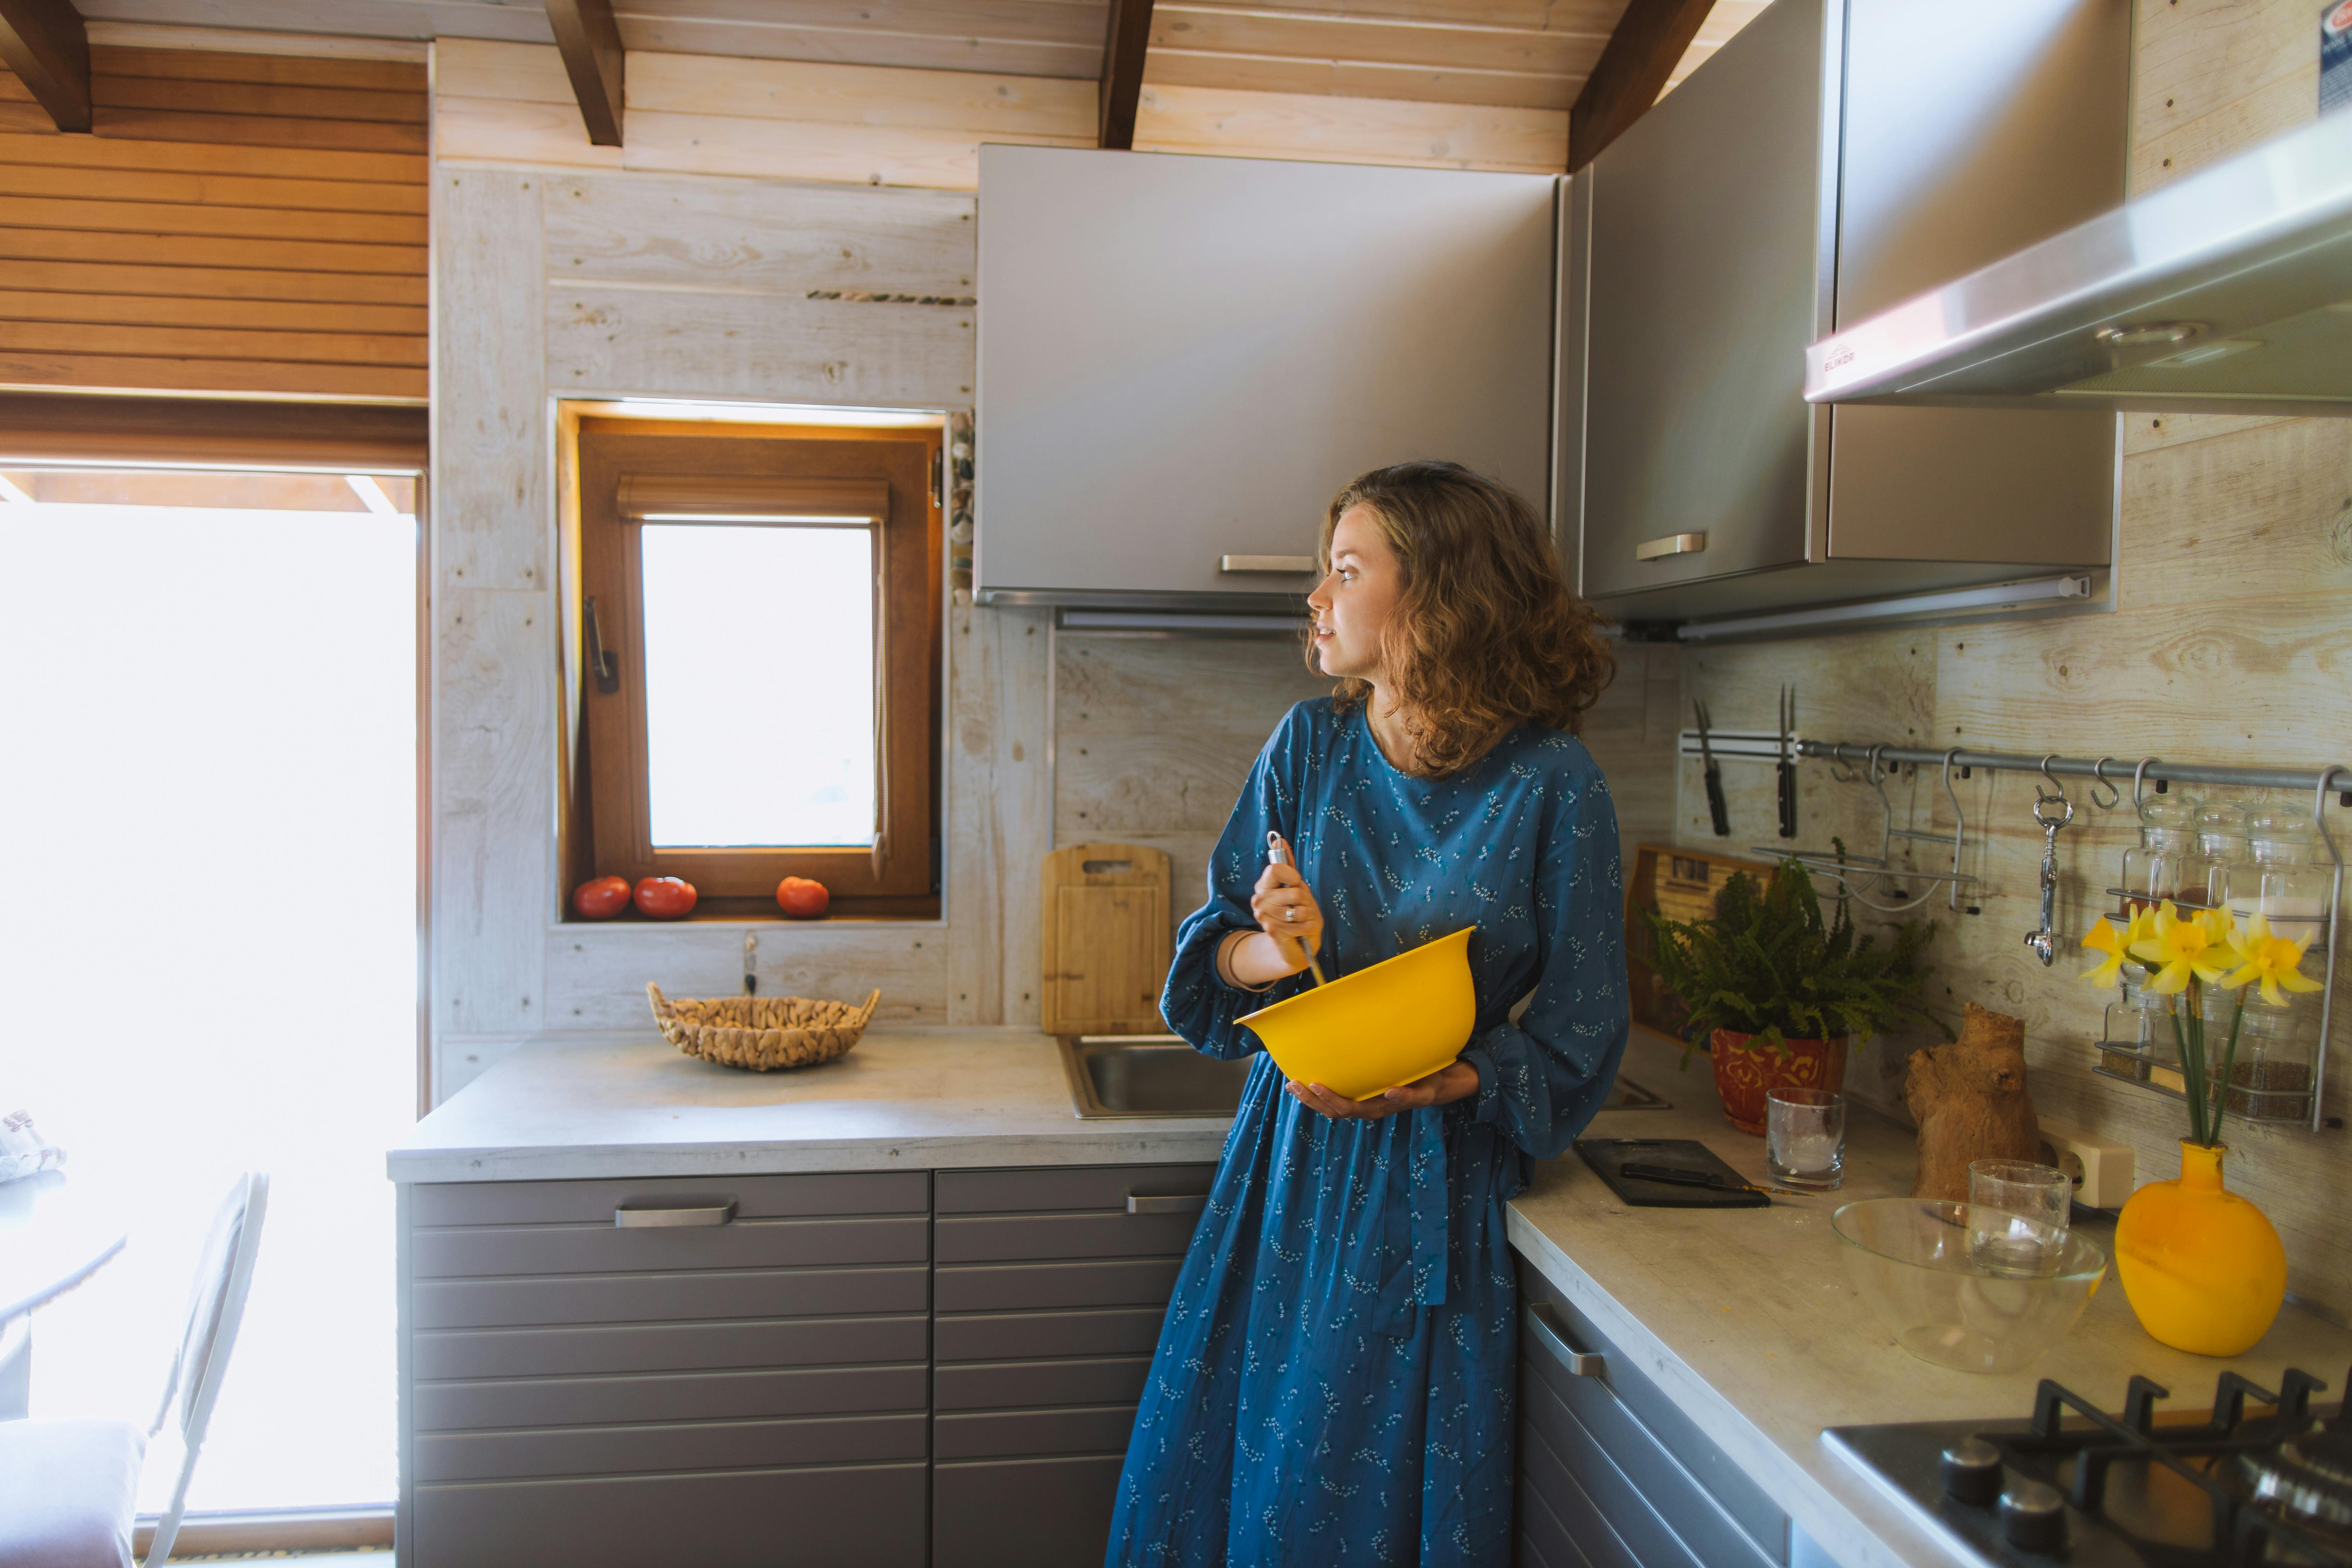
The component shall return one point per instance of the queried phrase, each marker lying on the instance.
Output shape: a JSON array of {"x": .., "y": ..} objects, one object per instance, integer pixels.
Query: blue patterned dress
[{"x": 1334, "y": 1380}]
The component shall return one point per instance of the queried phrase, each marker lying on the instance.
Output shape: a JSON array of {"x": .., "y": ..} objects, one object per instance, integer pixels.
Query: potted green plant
[{"x": 1774, "y": 990}]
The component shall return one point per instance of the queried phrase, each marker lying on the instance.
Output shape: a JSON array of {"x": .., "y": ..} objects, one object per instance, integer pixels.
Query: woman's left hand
[{"x": 1457, "y": 1080}]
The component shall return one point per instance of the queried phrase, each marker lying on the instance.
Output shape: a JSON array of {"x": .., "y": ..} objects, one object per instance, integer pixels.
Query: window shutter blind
[{"x": 248, "y": 224}]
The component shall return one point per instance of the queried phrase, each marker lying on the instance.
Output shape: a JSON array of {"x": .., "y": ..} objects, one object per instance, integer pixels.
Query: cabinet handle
[
  {"x": 664, "y": 1219},
  {"x": 1190, "y": 1202},
  {"x": 1579, "y": 1364},
  {"x": 1294, "y": 565},
  {"x": 1671, "y": 545}
]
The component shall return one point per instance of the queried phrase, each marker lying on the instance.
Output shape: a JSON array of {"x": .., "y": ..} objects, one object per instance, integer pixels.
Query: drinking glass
[
  {"x": 2018, "y": 1213},
  {"x": 1804, "y": 1137}
]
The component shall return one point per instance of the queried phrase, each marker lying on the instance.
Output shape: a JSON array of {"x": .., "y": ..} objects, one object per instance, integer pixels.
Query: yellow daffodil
[
  {"x": 2271, "y": 960},
  {"x": 2104, "y": 937},
  {"x": 2179, "y": 949},
  {"x": 2116, "y": 944}
]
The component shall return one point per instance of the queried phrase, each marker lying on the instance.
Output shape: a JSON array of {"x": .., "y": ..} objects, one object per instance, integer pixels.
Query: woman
[{"x": 1334, "y": 1382}]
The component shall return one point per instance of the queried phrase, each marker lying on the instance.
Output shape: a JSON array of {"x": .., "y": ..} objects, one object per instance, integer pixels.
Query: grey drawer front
[
  {"x": 755, "y": 1197},
  {"x": 1024, "y": 1514},
  {"x": 1011, "y": 1385},
  {"x": 685, "y": 1396},
  {"x": 666, "y": 1347},
  {"x": 1064, "y": 1187},
  {"x": 1712, "y": 1470},
  {"x": 1009, "y": 1433},
  {"x": 654, "y": 1298},
  {"x": 685, "y": 1446},
  {"x": 1006, "y": 1336},
  {"x": 869, "y": 1516},
  {"x": 1558, "y": 1514},
  {"x": 1654, "y": 1542},
  {"x": 1015, "y": 1287},
  {"x": 1007, "y": 1238},
  {"x": 604, "y": 1249}
]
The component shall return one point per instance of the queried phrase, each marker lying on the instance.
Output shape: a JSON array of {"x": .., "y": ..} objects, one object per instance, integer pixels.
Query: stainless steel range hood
[{"x": 2228, "y": 292}]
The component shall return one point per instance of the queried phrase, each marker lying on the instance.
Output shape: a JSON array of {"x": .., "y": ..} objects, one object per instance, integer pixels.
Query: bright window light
[{"x": 759, "y": 684}]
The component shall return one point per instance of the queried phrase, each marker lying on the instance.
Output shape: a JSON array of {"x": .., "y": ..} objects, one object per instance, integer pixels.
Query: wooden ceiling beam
[
  {"x": 1651, "y": 40},
  {"x": 590, "y": 40},
  {"x": 43, "y": 42},
  {"x": 1128, "y": 41}
]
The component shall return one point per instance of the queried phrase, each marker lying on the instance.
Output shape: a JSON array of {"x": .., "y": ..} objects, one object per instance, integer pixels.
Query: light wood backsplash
[{"x": 2231, "y": 643}]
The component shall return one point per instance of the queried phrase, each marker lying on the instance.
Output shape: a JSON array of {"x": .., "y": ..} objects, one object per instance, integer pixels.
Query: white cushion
[{"x": 68, "y": 1493}]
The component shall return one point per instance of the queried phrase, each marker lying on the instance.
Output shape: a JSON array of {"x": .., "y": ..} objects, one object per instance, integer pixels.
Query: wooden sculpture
[{"x": 1970, "y": 1101}]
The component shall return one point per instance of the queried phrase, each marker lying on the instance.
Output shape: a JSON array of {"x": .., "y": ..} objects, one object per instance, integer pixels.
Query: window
[{"x": 759, "y": 615}]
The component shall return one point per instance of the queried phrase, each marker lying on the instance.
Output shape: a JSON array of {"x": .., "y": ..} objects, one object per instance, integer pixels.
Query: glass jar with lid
[
  {"x": 2270, "y": 1071},
  {"x": 2167, "y": 862},
  {"x": 2282, "y": 874},
  {"x": 2221, "y": 840}
]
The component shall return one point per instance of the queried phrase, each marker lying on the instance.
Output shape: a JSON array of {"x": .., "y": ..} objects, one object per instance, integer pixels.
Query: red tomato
[
  {"x": 664, "y": 897},
  {"x": 801, "y": 899},
  {"x": 601, "y": 898}
]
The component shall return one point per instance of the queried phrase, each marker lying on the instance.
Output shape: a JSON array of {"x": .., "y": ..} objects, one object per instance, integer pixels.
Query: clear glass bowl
[{"x": 1910, "y": 1259}]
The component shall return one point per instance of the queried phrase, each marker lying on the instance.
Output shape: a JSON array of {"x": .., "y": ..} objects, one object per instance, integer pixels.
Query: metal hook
[
  {"x": 2056, "y": 790},
  {"x": 2099, "y": 772},
  {"x": 1876, "y": 770},
  {"x": 1959, "y": 833},
  {"x": 1838, "y": 770},
  {"x": 2139, "y": 773}
]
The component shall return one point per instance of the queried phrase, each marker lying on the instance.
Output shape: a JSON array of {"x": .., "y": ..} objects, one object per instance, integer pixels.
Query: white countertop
[
  {"x": 1745, "y": 1318},
  {"x": 630, "y": 1104}
]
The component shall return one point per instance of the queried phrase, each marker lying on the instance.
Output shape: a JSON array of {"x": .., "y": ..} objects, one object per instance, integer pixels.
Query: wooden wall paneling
[
  {"x": 596, "y": 974},
  {"x": 493, "y": 807},
  {"x": 1630, "y": 733},
  {"x": 364, "y": 22},
  {"x": 219, "y": 285},
  {"x": 391, "y": 333},
  {"x": 44, "y": 43},
  {"x": 689, "y": 233},
  {"x": 1361, "y": 79},
  {"x": 590, "y": 42},
  {"x": 877, "y": 354},
  {"x": 236, "y": 41},
  {"x": 999, "y": 808},
  {"x": 1174, "y": 119},
  {"x": 1016, "y": 38},
  {"x": 1000, "y": 107},
  {"x": 491, "y": 447}
]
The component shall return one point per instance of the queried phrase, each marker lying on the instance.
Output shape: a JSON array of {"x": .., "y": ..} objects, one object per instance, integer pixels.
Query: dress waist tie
[{"x": 1413, "y": 1268}]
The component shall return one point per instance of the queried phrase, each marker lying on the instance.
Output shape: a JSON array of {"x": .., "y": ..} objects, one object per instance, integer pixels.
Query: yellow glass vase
[{"x": 2202, "y": 1268}]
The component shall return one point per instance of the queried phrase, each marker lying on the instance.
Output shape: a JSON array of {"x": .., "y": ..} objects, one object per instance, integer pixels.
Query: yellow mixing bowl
[{"x": 1363, "y": 1034}]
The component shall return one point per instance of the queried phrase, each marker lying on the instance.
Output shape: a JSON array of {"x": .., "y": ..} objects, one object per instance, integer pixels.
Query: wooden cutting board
[{"x": 1106, "y": 939}]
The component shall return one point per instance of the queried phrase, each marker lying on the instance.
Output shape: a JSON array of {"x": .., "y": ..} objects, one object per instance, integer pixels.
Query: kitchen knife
[
  {"x": 1718, "y": 813},
  {"x": 1785, "y": 768}
]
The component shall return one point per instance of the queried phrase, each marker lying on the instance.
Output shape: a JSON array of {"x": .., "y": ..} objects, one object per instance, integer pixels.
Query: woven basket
[{"x": 760, "y": 1033}]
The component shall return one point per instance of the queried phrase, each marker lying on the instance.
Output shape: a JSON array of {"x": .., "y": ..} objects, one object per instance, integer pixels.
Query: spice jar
[
  {"x": 2167, "y": 862},
  {"x": 2221, "y": 840},
  {"x": 2270, "y": 1071},
  {"x": 2280, "y": 876}
]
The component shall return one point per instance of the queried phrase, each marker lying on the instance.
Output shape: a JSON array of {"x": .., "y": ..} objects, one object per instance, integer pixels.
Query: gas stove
[{"x": 2224, "y": 1489}]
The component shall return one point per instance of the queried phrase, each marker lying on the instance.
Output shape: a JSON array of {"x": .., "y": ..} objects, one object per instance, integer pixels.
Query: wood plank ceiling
[{"x": 1529, "y": 53}]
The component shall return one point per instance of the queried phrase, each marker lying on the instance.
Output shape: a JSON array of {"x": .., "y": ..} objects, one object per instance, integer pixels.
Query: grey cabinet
[
  {"x": 1611, "y": 1473},
  {"x": 1049, "y": 1294},
  {"x": 578, "y": 1393},
  {"x": 1182, "y": 359},
  {"x": 1835, "y": 158}
]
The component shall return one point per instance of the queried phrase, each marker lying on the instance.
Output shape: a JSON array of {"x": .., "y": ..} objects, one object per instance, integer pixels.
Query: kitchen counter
[
  {"x": 1743, "y": 1316},
  {"x": 629, "y": 1104},
  {"x": 1746, "y": 1320}
]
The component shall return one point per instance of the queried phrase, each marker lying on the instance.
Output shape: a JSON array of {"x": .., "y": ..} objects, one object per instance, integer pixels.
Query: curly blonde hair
[{"x": 1488, "y": 635}]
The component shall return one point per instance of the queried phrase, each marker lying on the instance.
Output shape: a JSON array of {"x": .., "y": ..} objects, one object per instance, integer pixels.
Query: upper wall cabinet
[
  {"x": 1835, "y": 157},
  {"x": 1182, "y": 359}
]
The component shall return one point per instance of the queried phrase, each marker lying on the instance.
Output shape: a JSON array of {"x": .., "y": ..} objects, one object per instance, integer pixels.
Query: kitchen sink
[{"x": 1159, "y": 1075}]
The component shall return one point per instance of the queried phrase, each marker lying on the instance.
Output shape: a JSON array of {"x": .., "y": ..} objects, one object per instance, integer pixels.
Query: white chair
[{"x": 69, "y": 1489}]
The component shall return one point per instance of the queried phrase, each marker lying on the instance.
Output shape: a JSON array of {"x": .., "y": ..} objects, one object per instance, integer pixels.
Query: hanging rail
[
  {"x": 2316, "y": 782},
  {"x": 2162, "y": 773}
]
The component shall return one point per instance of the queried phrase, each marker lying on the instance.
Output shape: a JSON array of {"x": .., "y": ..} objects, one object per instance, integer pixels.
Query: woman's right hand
[{"x": 1287, "y": 913}]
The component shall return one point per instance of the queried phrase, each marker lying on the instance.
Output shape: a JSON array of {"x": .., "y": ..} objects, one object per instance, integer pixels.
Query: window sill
[{"x": 763, "y": 913}]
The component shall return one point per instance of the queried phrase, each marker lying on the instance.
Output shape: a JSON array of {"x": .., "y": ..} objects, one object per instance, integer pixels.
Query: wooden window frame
[{"x": 628, "y": 469}]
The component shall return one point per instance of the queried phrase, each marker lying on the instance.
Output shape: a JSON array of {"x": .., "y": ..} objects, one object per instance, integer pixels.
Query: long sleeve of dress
[
  {"x": 1197, "y": 1004},
  {"x": 1541, "y": 1079}
]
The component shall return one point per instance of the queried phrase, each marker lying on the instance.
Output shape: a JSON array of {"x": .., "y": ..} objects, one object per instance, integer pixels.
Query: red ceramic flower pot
[{"x": 1745, "y": 1074}]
